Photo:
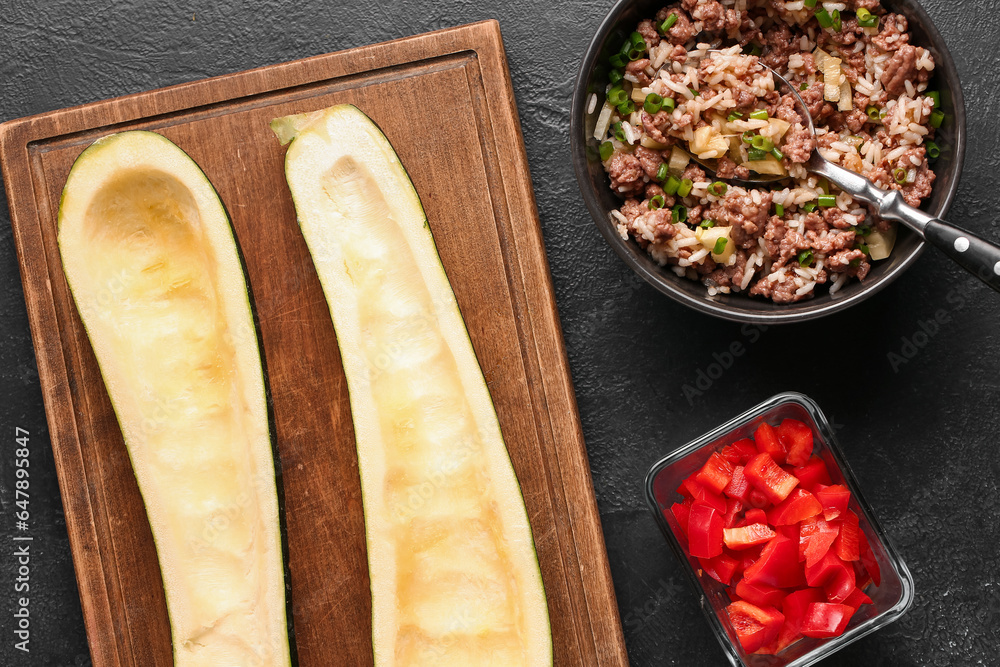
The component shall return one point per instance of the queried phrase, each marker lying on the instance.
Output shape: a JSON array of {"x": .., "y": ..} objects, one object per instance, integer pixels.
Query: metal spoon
[{"x": 976, "y": 255}]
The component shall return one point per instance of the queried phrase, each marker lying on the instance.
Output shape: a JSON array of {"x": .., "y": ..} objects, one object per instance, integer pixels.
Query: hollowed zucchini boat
[
  {"x": 454, "y": 574},
  {"x": 154, "y": 270}
]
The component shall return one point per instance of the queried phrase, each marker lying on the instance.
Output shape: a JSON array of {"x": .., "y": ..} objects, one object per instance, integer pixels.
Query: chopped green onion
[
  {"x": 805, "y": 258},
  {"x": 679, "y": 214},
  {"x": 760, "y": 114},
  {"x": 883, "y": 113},
  {"x": 756, "y": 155},
  {"x": 685, "y": 187},
  {"x": 899, "y": 174},
  {"x": 670, "y": 187},
  {"x": 606, "y": 150},
  {"x": 873, "y": 113},
  {"x": 933, "y": 150},
  {"x": 864, "y": 248},
  {"x": 637, "y": 39},
  {"x": 653, "y": 103},
  {"x": 748, "y": 136},
  {"x": 693, "y": 92},
  {"x": 762, "y": 143},
  {"x": 937, "y": 118},
  {"x": 866, "y": 19},
  {"x": 662, "y": 172},
  {"x": 720, "y": 246},
  {"x": 707, "y": 224},
  {"x": 837, "y": 24},
  {"x": 626, "y": 107},
  {"x": 778, "y": 155},
  {"x": 615, "y": 76},
  {"x": 669, "y": 103},
  {"x": 718, "y": 189},
  {"x": 936, "y": 96},
  {"x": 824, "y": 18},
  {"x": 779, "y": 210},
  {"x": 827, "y": 201},
  {"x": 855, "y": 262},
  {"x": 617, "y": 95},
  {"x": 809, "y": 3},
  {"x": 824, "y": 185},
  {"x": 804, "y": 86},
  {"x": 636, "y": 53},
  {"x": 752, "y": 49},
  {"x": 656, "y": 202},
  {"x": 617, "y": 60},
  {"x": 592, "y": 155},
  {"x": 618, "y": 131},
  {"x": 809, "y": 206},
  {"x": 736, "y": 115},
  {"x": 863, "y": 230},
  {"x": 668, "y": 23}
]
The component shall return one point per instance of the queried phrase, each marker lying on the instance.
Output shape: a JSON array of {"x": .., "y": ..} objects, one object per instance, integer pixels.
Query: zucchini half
[
  {"x": 454, "y": 573},
  {"x": 155, "y": 272}
]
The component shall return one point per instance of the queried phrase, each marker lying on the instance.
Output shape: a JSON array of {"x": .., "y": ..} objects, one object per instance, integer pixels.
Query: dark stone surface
[{"x": 921, "y": 436}]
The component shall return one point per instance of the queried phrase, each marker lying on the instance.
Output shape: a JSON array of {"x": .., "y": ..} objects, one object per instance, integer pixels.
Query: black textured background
[{"x": 921, "y": 436}]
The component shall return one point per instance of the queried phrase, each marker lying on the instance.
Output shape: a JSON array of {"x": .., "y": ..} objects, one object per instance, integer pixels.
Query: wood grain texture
[{"x": 445, "y": 102}]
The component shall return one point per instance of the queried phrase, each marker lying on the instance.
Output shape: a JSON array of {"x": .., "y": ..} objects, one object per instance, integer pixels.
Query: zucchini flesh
[
  {"x": 454, "y": 574},
  {"x": 153, "y": 267}
]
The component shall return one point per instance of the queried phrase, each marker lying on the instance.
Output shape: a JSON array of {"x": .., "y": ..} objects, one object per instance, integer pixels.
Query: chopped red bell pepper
[
  {"x": 760, "y": 594},
  {"x": 794, "y": 608},
  {"x": 778, "y": 565},
  {"x": 695, "y": 489},
  {"x": 768, "y": 442},
  {"x": 756, "y": 498},
  {"x": 841, "y": 584},
  {"x": 768, "y": 478},
  {"x": 721, "y": 568},
  {"x": 734, "y": 510},
  {"x": 739, "y": 485},
  {"x": 868, "y": 559},
  {"x": 704, "y": 531},
  {"x": 825, "y": 619},
  {"x": 745, "y": 537},
  {"x": 828, "y": 567},
  {"x": 834, "y": 500},
  {"x": 797, "y": 440},
  {"x": 847, "y": 545},
  {"x": 755, "y": 626},
  {"x": 754, "y": 515},
  {"x": 816, "y": 536},
  {"x": 812, "y": 473},
  {"x": 716, "y": 473},
  {"x": 680, "y": 512},
  {"x": 740, "y": 451},
  {"x": 856, "y": 599},
  {"x": 798, "y": 506}
]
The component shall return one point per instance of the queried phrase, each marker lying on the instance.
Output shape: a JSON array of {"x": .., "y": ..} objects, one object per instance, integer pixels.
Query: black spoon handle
[{"x": 976, "y": 255}]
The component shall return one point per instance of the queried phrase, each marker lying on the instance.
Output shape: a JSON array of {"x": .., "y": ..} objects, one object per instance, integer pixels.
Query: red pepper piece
[
  {"x": 826, "y": 619},
  {"x": 841, "y": 584},
  {"x": 798, "y": 506},
  {"x": 704, "y": 531},
  {"x": 828, "y": 567},
  {"x": 754, "y": 515},
  {"x": 768, "y": 442},
  {"x": 757, "y": 499},
  {"x": 745, "y": 537},
  {"x": 739, "y": 452},
  {"x": 767, "y": 477},
  {"x": 797, "y": 440},
  {"x": 856, "y": 599},
  {"x": 716, "y": 473},
  {"x": 681, "y": 512},
  {"x": 755, "y": 626},
  {"x": 812, "y": 473},
  {"x": 759, "y": 594},
  {"x": 816, "y": 536},
  {"x": 733, "y": 510},
  {"x": 847, "y": 545},
  {"x": 739, "y": 485},
  {"x": 868, "y": 559},
  {"x": 794, "y": 608},
  {"x": 721, "y": 568},
  {"x": 778, "y": 565},
  {"x": 834, "y": 500},
  {"x": 695, "y": 489}
]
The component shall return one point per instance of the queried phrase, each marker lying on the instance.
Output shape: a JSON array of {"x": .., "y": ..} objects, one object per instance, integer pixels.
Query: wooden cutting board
[{"x": 445, "y": 101}]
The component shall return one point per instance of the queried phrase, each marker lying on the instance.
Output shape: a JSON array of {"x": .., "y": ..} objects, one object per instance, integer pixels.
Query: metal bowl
[{"x": 600, "y": 200}]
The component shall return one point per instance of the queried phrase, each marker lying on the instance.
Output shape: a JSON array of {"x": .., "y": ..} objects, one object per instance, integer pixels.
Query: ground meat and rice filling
[{"x": 690, "y": 81}]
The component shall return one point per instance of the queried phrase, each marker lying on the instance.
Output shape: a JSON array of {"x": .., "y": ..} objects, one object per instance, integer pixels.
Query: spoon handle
[{"x": 976, "y": 255}]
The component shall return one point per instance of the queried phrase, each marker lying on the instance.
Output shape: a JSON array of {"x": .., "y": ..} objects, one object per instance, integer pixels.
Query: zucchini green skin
[
  {"x": 142, "y": 182},
  {"x": 347, "y": 183}
]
